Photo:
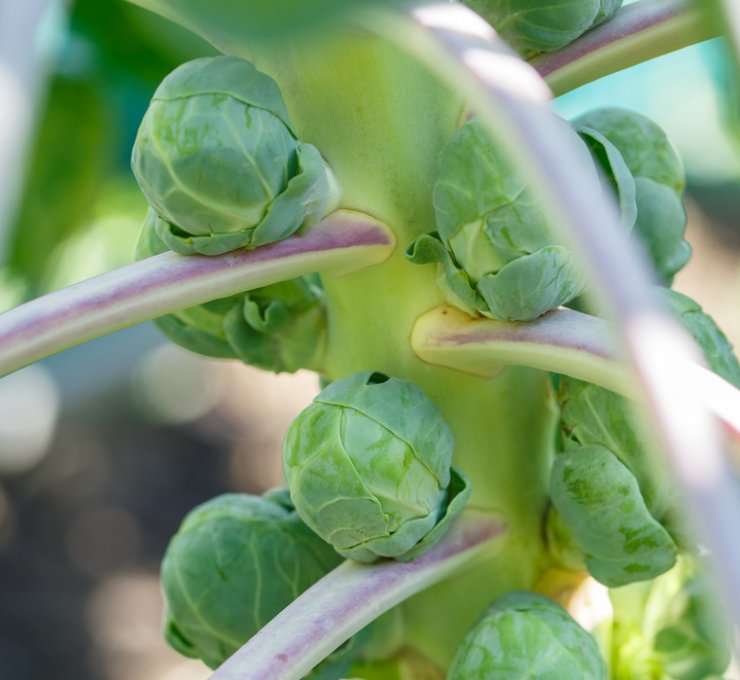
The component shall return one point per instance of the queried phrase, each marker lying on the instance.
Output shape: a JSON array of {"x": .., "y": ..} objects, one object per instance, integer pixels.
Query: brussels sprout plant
[{"x": 516, "y": 407}]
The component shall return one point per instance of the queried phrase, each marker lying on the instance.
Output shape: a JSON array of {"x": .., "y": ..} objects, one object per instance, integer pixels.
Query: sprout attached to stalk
[
  {"x": 614, "y": 509},
  {"x": 280, "y": 327},
  {"x": 532, "y": 26},
  {"x": 658, "y": 178},
  {"x": 368, "y": 467},
  {"x": 220, "y": 163},
  {"x": 525, "y": 635},
  {"x": 236, "y": 562},
  {"x": 497, "y": 252}
]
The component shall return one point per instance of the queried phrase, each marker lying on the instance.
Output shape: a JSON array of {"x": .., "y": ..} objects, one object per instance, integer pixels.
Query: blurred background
[{"x": 105, "y": 447}]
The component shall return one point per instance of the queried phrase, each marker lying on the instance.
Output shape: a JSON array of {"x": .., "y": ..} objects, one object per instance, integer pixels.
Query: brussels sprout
[
  {"x": 714, "y": 344},
  {"x": 670, "y": 628},
  {"x": 214, "y": 572},
  {"x": 524, "y": 635},
  {"x": 500, "y": 257},
  {"x": 599, "y": 501},
  {"x": 277, "y": 328},
  {"x": 219, "y": 162},
  {"x": 368, "y": 467},
  {"x": 592, "y": 415},
  {"x": 659, "y": 183},
  {"x": 532, "y": 26}
]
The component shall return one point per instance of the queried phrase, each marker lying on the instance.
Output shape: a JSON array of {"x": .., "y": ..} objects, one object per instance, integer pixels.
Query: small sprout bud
[
  {"x": 368, "y": 467},
  {"x": 236, "y": 562},
  {"x": 532, "y": 26},
  {"x": 219, "y": 162},
  {"x": 280, "y": 327},
  {"x": 525, "y": 635},
  {"x": 495, "y": 242}
]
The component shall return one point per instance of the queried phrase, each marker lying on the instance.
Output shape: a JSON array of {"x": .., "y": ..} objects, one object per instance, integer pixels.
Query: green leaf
[
  {"x": 714, "y": 344},
  {"x": 659, "y": 182},
  {"x": 617, "y": 173},
  {"x": 594, "y": 416},
  {"x": 661, "y": 224},
  {"x": 458, "y": 494},
  {"x": 600, "y": 503},
  {"x": 533, "y": 284}
]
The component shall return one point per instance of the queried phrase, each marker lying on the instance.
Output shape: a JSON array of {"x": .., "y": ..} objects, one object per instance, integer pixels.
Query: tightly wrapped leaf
[
  {"x": 600, "y": 503},
  {"x": 524, "y": 635},
  {"x": 281, "y": 327},
  {"x": 670, "y": 628},
  {"x": 532, "y": 26},
  {"x": 218, "y": 160},
  {"x": 619, "y": 179},
  {"x": 594, "y": 416},
  {"x": 236, "y": 562},
  {"x": 368, "y": 467},
  {"x": 494, "y": 240},
  {"x": 659, "y": 182}
]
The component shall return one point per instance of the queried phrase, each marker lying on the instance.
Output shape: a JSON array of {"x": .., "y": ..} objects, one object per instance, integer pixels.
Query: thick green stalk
[{"x": 380, "y": 120}]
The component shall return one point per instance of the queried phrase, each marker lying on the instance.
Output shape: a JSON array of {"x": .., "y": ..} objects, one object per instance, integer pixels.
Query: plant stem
[
  {"x": 349, "y": 598},
  {"x": 381, "y": 119},
  {"x": 562, "y": 341},
  {"x": 463, "y": 49},
  {"x": 639, "y": 32},
  {"x": 344, "y": 242}
]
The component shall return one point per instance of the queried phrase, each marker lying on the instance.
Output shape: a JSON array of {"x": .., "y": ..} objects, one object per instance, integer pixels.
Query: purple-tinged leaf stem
[
  {"x": 512, "y": 101},
  {"x": 638, "y": 32},
  {"x": 349, "y": 598},
  {"x": 344, "y": 242},
  {"x": 562, "y": 341}
]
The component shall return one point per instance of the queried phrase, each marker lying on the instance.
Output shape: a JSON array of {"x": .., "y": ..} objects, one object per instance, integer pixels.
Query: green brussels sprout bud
[
  {"x": 213, "y": 573},
  {"x": 659, "y": 183},
  {"x": 219, "y": 162},
  {"x": 532, "y": 26},
  {"x": 525, "y": 635},
  {"x": 670, "y": 627},
  {"x": 501, "y": 259},
  {"x": 280, "y": 327},
  {"x": 714, "y": 344},
  {"x": 368, "y": 467},
  {"x": 599, "y": 501}
]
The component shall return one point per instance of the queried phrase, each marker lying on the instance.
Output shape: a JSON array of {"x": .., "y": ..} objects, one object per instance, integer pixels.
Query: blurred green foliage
[{"x": 112, "y": 58}]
